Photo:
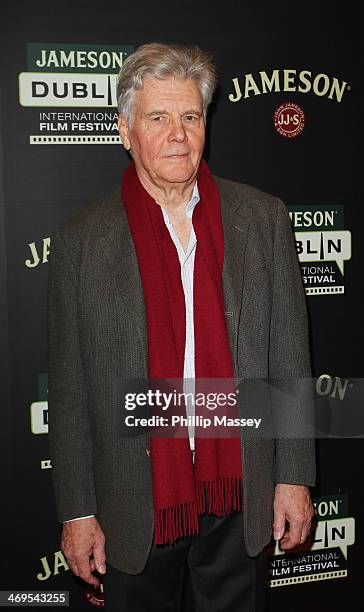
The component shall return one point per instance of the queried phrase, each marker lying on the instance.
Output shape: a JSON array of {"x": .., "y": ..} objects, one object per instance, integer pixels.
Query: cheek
[
  {"x": 197, "y": 143},
  {"x": 149, "y": 148},
  {"x": 197, "y": 137}
]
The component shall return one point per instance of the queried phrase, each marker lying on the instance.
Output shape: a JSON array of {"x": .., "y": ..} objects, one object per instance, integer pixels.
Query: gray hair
[{"x": 163, "y": 61}]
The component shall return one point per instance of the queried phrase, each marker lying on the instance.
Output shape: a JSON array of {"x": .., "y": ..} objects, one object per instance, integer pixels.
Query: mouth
[{"x": 177, "y": 156}]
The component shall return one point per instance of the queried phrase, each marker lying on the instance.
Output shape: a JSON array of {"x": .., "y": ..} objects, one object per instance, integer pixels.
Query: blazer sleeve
[
  {"x": 289, "y": 361},
  {"x": 70, "y": 431}
]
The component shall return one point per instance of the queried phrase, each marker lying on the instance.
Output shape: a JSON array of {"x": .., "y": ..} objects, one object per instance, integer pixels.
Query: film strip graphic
[
  {"x": 74, "y": 140},
  {"x": 308, "y": 578},
  {"x": 325, "y": 290}
]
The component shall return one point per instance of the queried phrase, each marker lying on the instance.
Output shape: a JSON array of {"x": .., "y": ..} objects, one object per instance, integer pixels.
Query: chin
[
  {"x": 178, "y": 175},
  {"x": 178, "y": 178}
]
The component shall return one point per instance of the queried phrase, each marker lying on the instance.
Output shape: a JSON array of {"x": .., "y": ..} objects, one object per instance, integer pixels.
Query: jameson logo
[
  {"x": 70, "y": 80},
  {"x": 323, "y": 246},
  {"x": 67, "y": 58},
  {"x": 324, "y": 556},
  {"x": 52, "y": 566},
  {"x": 287, "y": 80}
]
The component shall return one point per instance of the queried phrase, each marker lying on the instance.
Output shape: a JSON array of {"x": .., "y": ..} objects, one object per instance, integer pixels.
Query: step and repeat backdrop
[{"x": 287, "y": 119}]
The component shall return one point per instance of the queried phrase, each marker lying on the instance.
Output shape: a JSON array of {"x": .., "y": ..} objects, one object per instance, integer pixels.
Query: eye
[{"x": 191, "y": 118}]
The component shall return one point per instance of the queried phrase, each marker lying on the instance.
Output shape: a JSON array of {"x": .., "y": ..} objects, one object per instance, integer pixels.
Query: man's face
[{"x": 167, "y": 135}]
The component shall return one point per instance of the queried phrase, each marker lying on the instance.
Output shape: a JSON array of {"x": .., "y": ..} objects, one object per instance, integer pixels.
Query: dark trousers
[{"x": 223, "y": 577}]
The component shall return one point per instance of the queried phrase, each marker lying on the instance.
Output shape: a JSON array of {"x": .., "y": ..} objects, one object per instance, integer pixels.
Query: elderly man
[{"x": 179, "y": 275}]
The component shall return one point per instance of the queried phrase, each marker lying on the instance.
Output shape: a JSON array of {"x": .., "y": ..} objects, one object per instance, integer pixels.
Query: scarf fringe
[
  {"x": 176, "y": 521},
  {"x": 223, "y": 495}
]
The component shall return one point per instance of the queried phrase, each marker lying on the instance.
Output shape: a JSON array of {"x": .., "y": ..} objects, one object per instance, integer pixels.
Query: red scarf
[{"x": 179, "y": 486}]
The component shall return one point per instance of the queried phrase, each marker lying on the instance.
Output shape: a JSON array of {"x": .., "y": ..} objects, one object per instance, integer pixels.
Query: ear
[{"x": 124, "y": 131}]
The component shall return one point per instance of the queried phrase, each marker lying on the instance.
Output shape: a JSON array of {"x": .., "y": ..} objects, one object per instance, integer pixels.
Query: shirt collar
[
  {"x": 193, "y": 201},
  {"x": 195, "y": 198}
]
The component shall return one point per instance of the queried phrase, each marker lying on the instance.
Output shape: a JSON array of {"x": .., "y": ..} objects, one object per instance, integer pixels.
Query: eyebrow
[{"x": 194, "y": 111}]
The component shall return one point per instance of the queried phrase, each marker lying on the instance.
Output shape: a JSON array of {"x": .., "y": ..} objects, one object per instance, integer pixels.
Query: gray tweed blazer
[{"x": 97, "y": 334}]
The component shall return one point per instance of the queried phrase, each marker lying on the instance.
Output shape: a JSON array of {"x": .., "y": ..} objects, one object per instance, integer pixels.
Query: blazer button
[{"x": 147, "y": 451}]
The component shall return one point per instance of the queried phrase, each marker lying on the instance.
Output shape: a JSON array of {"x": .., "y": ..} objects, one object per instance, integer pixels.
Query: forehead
[{"x": 168, "y": 93}]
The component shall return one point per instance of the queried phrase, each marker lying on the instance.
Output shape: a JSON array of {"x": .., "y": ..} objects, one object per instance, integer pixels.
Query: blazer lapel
[
  {"x": 121, "y": 257},
  {"x": 236, "y": 229}
]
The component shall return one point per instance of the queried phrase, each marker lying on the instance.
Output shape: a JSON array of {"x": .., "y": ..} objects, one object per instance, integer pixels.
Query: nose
[{"x": 177, "y": 131}]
